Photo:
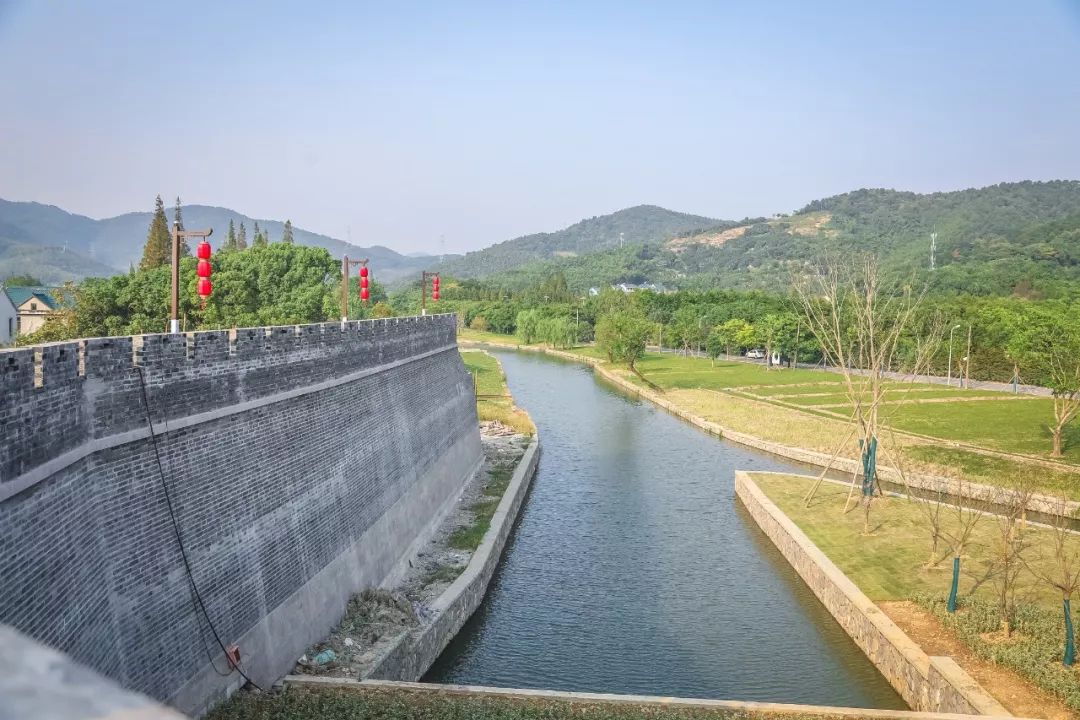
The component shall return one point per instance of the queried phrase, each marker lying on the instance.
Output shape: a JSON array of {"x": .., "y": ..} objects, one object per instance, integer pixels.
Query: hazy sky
[{"x": 483, "y": 121}]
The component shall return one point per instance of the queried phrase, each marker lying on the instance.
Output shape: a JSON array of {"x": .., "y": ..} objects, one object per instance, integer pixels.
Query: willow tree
[{"x": 862, "y": 321}]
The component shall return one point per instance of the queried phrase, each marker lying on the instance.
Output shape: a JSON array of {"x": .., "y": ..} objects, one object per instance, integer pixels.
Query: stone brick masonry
[{"x": 303, "y": 463}]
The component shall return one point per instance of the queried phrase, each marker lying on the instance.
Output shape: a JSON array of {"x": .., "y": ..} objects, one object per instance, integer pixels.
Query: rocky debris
[
  {"x": 375, "y": 619},
  {"x": 494, "y": 428}
]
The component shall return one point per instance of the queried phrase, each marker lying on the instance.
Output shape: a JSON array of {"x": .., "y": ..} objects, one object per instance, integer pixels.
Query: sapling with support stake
[
  {"x": 861, "y": 321},
  {"x": 969, "y": 507},
  {"x": 1064, "y": 569}
]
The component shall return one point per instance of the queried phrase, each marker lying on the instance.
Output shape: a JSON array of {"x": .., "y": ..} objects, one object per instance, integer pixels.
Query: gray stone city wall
[
  {"x": 304, "y": 464},
  {"x": 931, "y": 684}
]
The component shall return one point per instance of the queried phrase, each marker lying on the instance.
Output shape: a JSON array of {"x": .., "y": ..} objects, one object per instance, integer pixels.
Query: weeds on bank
[
  {"x": 365, "y": 704},
  {"x": 469, "y": 537},
  {"x": 1034, "y": 650}
]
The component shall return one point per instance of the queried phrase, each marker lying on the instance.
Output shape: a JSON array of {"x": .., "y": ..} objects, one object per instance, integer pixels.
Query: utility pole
[
  {"x": 346, "y": 263},
  {"x": 177, "y": 234},
  {"x": 967, "y": 361},
  {"x": 795, "y": 352},
  {"x": 948, "y": 377},
  {"x": 423, "y": 289}
]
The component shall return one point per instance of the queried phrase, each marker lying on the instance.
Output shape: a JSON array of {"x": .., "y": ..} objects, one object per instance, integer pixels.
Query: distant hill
[
  {"x": 637, "y": 225},
  {"x": 56, "y": 245},
  {"x": 1021, "y": 238}
]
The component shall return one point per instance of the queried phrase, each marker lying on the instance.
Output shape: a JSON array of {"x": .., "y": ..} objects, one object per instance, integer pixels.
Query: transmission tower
[{"x": 933, "y": 250}]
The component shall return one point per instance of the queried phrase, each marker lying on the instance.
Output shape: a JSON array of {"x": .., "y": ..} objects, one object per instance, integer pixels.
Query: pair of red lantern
[
  {"x": 435, "y": 287},
  {"x": 204, "y": 271},
  {"x": 364, "y": 295}
]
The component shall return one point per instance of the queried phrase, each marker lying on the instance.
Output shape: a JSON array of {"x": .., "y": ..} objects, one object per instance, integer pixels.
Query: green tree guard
[
  {"x": 869, "y": 463},
  {"x": 956, "y": 584},
  {"x": 1070, "y": 648}
]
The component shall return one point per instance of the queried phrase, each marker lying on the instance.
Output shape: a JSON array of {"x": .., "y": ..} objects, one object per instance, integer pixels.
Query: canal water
[{"x": 633, "y": 568}]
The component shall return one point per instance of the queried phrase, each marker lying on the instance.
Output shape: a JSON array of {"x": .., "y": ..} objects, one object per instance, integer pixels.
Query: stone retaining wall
[{"x": 932, "y": 684}]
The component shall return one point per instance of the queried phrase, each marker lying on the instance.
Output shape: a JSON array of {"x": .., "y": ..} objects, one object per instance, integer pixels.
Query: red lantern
[
  {"x": 205, "y": 288},
  {"x": 435, "y": 288},
  {"x": 363, "y": 271},
  {"x": 203, "y": 251},
  {"x": 203, "y": 270}
]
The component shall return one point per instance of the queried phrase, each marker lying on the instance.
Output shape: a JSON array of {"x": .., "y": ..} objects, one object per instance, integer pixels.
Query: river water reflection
[{"x": 633, "y": 569}]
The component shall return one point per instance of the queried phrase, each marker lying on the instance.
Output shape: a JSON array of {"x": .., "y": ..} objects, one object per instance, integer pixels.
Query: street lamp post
[
  {"x": 346, "y": 263},
  {"x": 948, "y": 378},
  {"x": 177, "y": 234},
  {"x": 424, "y": 276}
]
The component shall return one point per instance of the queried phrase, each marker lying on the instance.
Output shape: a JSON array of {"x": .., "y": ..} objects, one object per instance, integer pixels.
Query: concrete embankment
[{"x": 933, "y": 684}]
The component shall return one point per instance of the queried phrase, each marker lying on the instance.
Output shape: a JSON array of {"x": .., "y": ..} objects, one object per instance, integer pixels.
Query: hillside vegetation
[
  {"x": 640, "y": 224},
  {"x": 1013, "y": 238},
  {"x": 58, "y": 246}
]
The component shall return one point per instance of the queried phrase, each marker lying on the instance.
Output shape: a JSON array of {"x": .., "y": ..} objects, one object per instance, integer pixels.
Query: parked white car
[{"x": 755, "y": 354}]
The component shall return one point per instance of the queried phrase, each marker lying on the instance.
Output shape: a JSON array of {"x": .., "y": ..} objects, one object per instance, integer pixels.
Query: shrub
[{"x": 1034, "y": 651}]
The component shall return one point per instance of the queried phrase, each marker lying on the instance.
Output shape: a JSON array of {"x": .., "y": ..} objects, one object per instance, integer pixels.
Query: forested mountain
[
  {"x": 1013, "y": 238},
  {"x": 56, "y": 246},
  {"x": 637, "y": 225}
]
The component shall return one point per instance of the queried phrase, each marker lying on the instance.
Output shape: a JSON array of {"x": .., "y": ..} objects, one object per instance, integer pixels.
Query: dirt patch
[
  {"x": 1019, "y": 696},
  {"x": 716, "y": 239},
  {"x": 376, "y": 618}
]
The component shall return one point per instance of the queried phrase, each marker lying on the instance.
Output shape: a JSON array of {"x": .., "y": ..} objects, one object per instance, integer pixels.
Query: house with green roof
[{"x": 25, "y": 310}]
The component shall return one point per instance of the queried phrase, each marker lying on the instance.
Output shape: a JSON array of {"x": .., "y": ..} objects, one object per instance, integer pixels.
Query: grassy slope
[
  {"x": 490, "y": 380},
  {"x": 890, "y": 564}
]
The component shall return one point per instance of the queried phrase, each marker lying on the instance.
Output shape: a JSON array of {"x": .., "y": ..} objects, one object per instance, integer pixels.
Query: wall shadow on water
[{"x": 632, "y": 569}]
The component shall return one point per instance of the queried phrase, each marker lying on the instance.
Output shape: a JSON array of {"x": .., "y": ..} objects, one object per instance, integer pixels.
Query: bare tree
[
  {"x": 1064, "y": 569},
  {"x": 861, "y": 322},
  {"x": 969, "y": 506},
  {"x": 1010, "y": 548}
]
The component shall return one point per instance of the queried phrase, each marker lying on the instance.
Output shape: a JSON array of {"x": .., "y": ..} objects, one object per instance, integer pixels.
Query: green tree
[
  {"x": 528, "y": 322},
  {"x": 1049, "y": 343},
  {"x": 729, "y": 336},
  {"x": 260, "y": 239},
  {"x": 178, "y": 222},
  {"x": 777, "y": 333},
  {"x": 230, "y": 239},
  {"x": 622, "y": 336},
  {"x": 21, "y": 280},
  {"x": 241, "y": 237},
  {"x": 158, "y": 248},
  {"x": 382, "y": 310},
  {"x": 287, "y": 234}
]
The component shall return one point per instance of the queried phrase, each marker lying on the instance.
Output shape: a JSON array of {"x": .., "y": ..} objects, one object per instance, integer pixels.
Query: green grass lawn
[
  {"x": 1010, "y": 425},
  {"x": 491, "y": 381},
  {"x": 999, "y": 471},
  {"x": 674, "y": 371},
  {"x": 890, "y": 564},
  {"x": 893, "y": 397}
]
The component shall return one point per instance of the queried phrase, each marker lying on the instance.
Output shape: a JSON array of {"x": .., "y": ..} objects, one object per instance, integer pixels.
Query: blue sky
[{"x": 405, "y": 122}]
